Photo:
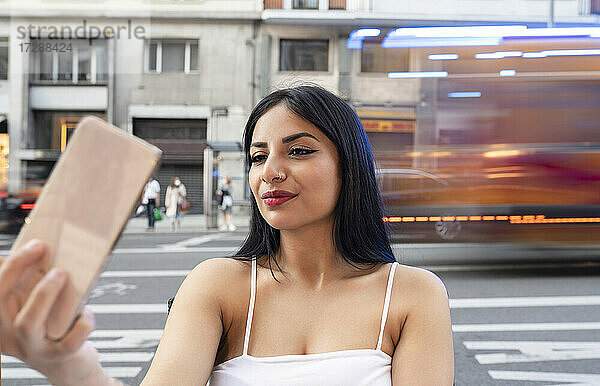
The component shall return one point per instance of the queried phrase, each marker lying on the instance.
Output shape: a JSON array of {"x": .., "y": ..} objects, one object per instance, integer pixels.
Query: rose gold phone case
[{"x": 84, "y": 207}]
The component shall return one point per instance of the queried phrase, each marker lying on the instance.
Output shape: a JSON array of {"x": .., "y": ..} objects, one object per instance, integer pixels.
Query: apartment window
[
  {"x": 337, "y": 4},
  {"x": 305, "y": 4},
  {"x": 273, "y": 4},
  {"x": 169, "y": 55},
  {"x": 375, "y": 58},
  {"x": 303, "y": 55},
  {"x": 73, "y": 61},
  {"x": 3, "y": 58}
]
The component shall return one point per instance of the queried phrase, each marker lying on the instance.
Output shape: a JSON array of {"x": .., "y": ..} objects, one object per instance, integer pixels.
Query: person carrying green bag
[{"x": 157, "y": 214}]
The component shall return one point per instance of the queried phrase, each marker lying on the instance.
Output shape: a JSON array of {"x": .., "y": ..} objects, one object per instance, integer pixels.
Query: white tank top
[{"x": 371, "y": 367}]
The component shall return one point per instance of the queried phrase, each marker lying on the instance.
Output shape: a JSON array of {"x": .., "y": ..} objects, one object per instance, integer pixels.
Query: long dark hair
[{"x": 359, "y": 233}]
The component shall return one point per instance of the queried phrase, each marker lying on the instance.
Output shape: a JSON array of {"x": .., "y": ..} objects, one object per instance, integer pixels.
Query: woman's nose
[{"x": 273, "y": 170}]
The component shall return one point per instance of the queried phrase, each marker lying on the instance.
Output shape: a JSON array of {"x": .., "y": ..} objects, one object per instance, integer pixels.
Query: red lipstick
[{"x": 277, "y": 197}]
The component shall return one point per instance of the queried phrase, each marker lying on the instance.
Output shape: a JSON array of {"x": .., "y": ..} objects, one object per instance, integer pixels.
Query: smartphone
[{"x": 82, "y": 210}]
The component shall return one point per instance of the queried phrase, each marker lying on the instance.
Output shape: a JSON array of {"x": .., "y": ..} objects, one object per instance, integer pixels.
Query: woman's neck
[{"x": 309, "y": 258}]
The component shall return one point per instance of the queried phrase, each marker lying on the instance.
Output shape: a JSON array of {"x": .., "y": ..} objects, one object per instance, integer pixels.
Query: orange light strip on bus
[
  {"x": 27, "y": 206},
  {"x": 567, "y": 220},
  {"x": 525, "y": 219}
]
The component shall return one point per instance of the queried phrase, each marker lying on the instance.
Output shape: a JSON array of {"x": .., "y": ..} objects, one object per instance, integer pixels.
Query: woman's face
[{"x": 286, "y": 145}]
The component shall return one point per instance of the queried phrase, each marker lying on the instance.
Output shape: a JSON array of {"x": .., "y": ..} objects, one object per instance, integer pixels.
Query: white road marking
[
  {"x": 525, "y": 301},
  {"x": 154, "y": 273},
  {"x": 435, "y": 268},
  {"x": 540, "y": 376},
  {"x": 533, "y": 351},
  {"x": 125, "y": 339},
  {"x": 539, "y": 301},
  {"x": 118, "y": 289},
  {"x": 104, "y": 357},
  {"x": 447, "y": 245},
  {"x": 27, "y": 373},
  {"x": 159, "y": 308},
  {"x": 143, "y": 251},
  {"x": 525, "y": 327},
  {"x": 193, "y": 241},
  {"x": 103, "y": 339},
  {"x": 504, "y": 267}
]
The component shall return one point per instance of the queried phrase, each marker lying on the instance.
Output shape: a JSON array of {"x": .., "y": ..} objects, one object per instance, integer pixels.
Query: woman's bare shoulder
[
  {"x": 222, "y": 265},
  {"x": 417, "y": 278},
  {"x": 416, "y": 288},
  {"x": 223, "y": 276}
]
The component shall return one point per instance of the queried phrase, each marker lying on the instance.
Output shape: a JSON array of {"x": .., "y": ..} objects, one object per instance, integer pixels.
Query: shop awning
[{"x": 225, "y": 146}]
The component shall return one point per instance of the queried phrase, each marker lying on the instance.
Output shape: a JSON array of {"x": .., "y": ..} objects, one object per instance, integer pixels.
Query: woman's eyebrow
[{"x": 287, "y": 139}]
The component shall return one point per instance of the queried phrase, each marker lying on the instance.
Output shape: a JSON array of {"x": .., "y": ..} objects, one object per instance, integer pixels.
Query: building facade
[
  {"x": 185, "y": 74},
  {"x": 179, "y": 75}
]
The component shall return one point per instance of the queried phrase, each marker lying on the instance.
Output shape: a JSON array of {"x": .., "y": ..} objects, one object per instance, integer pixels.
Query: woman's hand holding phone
[{"x": 71, "y": 360}]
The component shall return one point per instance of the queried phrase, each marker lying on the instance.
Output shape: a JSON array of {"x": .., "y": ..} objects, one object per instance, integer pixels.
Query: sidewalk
[{"x": 192, "y": 223}]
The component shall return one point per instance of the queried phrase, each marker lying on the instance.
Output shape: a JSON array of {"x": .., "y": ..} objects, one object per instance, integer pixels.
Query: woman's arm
[
  {"x": 188, "y": 347},
  {"x": 424, "y": 354}
]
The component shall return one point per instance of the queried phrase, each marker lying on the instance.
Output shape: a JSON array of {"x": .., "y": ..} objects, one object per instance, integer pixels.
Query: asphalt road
[{"x": 521, "y": 316}]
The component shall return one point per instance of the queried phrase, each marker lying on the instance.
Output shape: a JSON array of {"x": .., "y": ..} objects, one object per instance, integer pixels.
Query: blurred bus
[{"x": 504, "y": 148}]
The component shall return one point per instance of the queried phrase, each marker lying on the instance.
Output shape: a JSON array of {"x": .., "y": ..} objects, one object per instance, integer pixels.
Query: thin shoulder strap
[
  {"x": 386, "y": 305},
  {"x": 250, "y": 308}
]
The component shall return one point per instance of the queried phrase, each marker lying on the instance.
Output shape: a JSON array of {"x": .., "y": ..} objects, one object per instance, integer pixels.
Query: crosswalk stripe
[
  {"x": 525, "y": 301},
  {"x": 146, "y": 333},
  {"x": 193, "y": 241},
  {"x": 507, "y": 267},
  {"x": 149, "y": 273},
  {"x": 27, "y": 373},
  {"x": 160, "y": 308},
  {"x": 125, "y": 339},
  {"x": 587, "y": 379},
  {"x": 525, "y": 327},
  {"x": 138, "y": 251},
  {"x": 154, "y": 250},
  {"x": 104, "y": 357},
  {"x": 508, "y": 302}
]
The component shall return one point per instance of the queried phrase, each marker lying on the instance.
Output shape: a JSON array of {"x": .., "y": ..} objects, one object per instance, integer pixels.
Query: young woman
[
  {"x": 174, "y": 196},
  {"x": 314, "y": 295},
  {"x": 226, "y": 204}
]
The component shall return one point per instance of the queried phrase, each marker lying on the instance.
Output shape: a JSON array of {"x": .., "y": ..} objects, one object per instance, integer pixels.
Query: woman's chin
[{"x": 281, "y": 223}]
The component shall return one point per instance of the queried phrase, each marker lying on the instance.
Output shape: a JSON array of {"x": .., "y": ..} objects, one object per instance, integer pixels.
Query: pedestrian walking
[
  {"x": 175, "y": 197},
  {"x": 152, "y": 200},
  {"x": 226, "y": 193},
  {"x": 333, "y": 308}
]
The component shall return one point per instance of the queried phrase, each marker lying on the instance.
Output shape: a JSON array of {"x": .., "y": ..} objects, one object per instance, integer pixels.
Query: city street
[{"x": 515, "y": 322}]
